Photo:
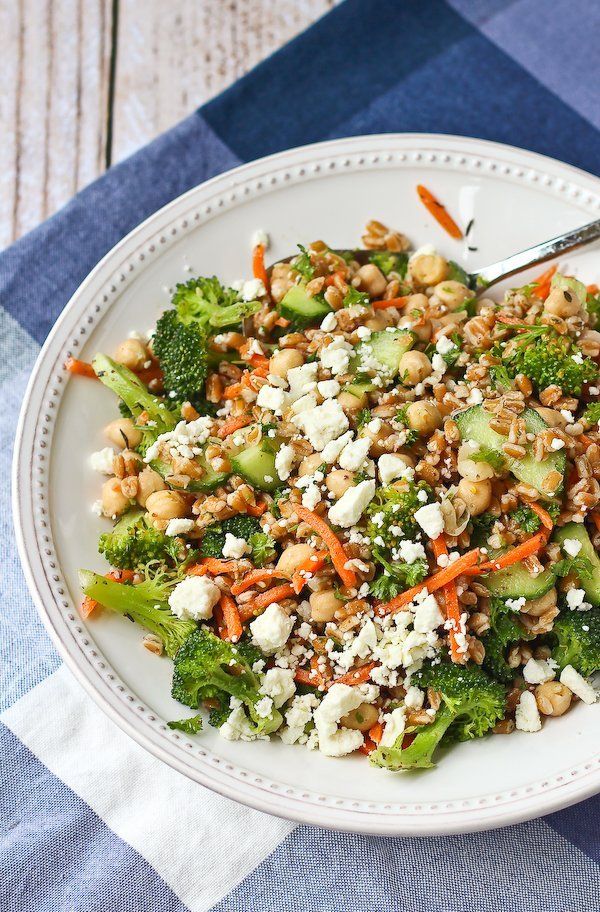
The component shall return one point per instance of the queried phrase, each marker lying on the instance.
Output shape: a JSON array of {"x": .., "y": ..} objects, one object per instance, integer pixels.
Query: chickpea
[
  {"x": 132, "y": 353},
  {"x": 418, "y": 301},
  {"x": 562, "y": 302},
  {"x": 362, "y": 718},
  {"x": 452, "y": 294},
  {"x": 553, "y": 698},
  {"x": 149, "y": 482},
  {"x": 351, "y": 403},
  {"x": 537, "y": 607},
  {"x": 372, "y": 280},
  {"x": 550, "y": 416},
  {"x": 423, "y": 417},
  {"x": 428, "y": 269},
  {"x": 310, "y": 464},
  {"x": 476, "y": 495},
  {"x": 323, "y": 606},
  {"x": 414, "y": 367},
  {"x": 378, "y": 437},
  {"x": 166, "y": 505},
  {"x": 293, "y": 557},
  {"x": 470, "y": 469},
  {"x": 123, "y": 433},
  {"x": 339, "y": 481},
  {"x": 114, "y": 502},
  {"x": 284, "y": 360},
  {"x": 375, "y": 324}
]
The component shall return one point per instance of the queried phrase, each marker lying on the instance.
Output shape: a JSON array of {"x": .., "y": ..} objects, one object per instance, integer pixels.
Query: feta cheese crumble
[
  {"x": 102, "y": 461},
  {"x": 527, "y": 714},
  {"x": 352, "y": 504},
  {"x": 323, "y": 424},
  {"x": 271, "y": 630},
  {"x": 340, "y": 699},
  {"x": 578, "y": 684},
  {"x": 235, "y": 547},
  {"x": 391, "y": 467},
  {"x": 431, "y": 520},
  {"x": 179, "y": 526},
  {"x": 194, "y": 597}
]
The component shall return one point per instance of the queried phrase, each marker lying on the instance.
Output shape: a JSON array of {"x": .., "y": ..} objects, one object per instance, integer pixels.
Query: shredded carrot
[
  {"x": 542, "y": 289},
  {"x": 514, "y": 556},
  {"x": 358, "y": 676},
  {"x": 367, "y": 747},
  {"x": 339, "y": 557},
  {"x": 308, "y": 677},
  {"x": 214, "y": 566},
  {"x": 391, "y": 302},
  {"x": 281, "y": 321},
  {"x": 232, "y": 619},
  {"x": 219, "y": 620},
  {"x": 87, "y": 607},
  {"x": 592, "y": 289},
  {"x": 276, "y": 594},
  {"x": 254, "y": 577},
  {"x": 232, "y": 425},
  {"x": 451, "y": 601},
  {"x": 259, "y": 270},
  {"x": 81, "y": 368},
  {"x": 334, "y": 277},
  {"x": 257, "y": 509},
  {"x": 261, "y": 370},
  {"x": 310, "y": 565},
  {"x": 585, "y": 440},
  {"x": 233, "y": 391},
  {"x": 432, "y": 583},
  {"x": 149, "y": 374},
  {"x": 439, "y": 212},
  {"x": 543, "y": 514},
  {"x": 376, "y": 732}
]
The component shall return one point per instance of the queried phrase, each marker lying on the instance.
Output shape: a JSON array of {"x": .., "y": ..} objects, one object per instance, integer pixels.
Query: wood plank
[
  {"x": 53, "y": 114},
  {"x": 172, "y": 57}
]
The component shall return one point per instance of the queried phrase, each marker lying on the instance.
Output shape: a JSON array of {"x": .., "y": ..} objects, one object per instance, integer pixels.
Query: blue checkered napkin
[{"x": 91, "y": 822}]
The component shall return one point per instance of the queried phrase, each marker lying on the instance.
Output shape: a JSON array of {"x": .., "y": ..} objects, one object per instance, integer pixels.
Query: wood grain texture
[
  {"x": 177, "y": 55},
  {"x": 65, "y": 111},
  {"x": 54, "y": 63}
]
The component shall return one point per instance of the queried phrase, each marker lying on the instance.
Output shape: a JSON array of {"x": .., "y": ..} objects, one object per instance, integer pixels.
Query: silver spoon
[{"x": 490, "y": 275}]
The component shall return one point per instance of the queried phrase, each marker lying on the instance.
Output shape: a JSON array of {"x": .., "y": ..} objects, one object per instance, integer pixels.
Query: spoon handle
[{"x": 489, "y": 275}]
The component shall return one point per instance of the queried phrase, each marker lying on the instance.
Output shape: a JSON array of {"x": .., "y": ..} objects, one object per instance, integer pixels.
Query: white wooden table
[{"x": 84, "y": 83}]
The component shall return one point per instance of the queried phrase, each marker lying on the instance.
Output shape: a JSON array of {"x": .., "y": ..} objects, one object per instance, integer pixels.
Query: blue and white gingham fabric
[{"x": 88, "y": 820}]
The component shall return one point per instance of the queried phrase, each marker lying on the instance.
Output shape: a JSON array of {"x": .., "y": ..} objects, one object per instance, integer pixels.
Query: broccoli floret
[
  {"x": 146, "y": 603},
  {"x": 578, "y": 635},
  {"x": 592, "y": 413},
  {"x": 137, "y": 399},
  {"x": 471, "y": 704},
  {"x": 592, "y": 305},
  {"x": 391, "y": 518},
  {"x": 390, "y": 262},
  {"x": 207, "y": 668},
  {"x": 133, "y": 543},
  {"x": 505, "y": 630},
  {"x": 182, "y": 335},
  {"x": 547, "y": 359},
  {"x": 181, "y": 350},
  {"x": 213, "y": 540}
]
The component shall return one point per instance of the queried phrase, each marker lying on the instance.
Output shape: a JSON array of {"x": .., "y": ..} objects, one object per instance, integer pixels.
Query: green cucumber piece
[
  {"x": 257, "y": 465},
  {"x": 589, "y": 584},
  {"x": 208, "y": 481},
  {"x": 384, "y": 348},
  {"x": 302, "y": 309},
  {"x": 474, "y": 424},
  {"x": 517, "y": 581}
]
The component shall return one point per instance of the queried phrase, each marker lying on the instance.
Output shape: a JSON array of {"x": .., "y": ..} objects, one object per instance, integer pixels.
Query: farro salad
[{"x": 356, "y": 504}]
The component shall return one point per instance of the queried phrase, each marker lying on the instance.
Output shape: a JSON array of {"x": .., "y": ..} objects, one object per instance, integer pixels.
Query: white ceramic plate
[{"x": 323, "y": 191}]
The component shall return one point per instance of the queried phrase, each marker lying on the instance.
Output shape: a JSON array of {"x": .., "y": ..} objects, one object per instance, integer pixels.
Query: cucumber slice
[
  {"x": 474, "y": 424},
  {"x": 257, "y": 465},
  {"x": 383, "y": 348},
  {"x": 302, "y": 309},
  {"x": 208, "y": 481},
  {"x": 516, "y": 581},
  {"x": 589, "y": 584}
]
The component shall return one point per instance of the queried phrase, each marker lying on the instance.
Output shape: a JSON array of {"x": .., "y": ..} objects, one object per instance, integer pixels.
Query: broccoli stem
[
  {"x": 144, "y": 603},
  {"x": 418, "y": 754},
  {"x": 133, "y": 393}
]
